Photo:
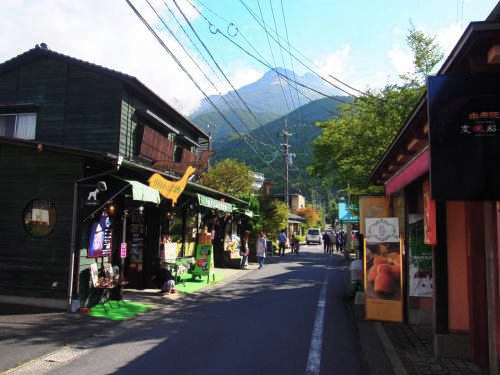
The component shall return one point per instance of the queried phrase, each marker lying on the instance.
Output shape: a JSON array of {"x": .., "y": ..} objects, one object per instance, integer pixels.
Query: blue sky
[
  {"x": 361, "y": 42},
  {"x": 367, "y": 36}
]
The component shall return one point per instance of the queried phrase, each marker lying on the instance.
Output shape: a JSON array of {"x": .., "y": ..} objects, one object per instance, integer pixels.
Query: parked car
[{"x": 313, "y": 235}]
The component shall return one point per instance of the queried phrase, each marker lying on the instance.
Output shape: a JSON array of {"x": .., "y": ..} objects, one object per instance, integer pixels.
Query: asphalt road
[{"x": 261, "y": 323}]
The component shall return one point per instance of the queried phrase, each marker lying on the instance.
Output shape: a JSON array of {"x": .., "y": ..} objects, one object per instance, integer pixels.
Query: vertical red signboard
[{"x": 430, "y": 237}]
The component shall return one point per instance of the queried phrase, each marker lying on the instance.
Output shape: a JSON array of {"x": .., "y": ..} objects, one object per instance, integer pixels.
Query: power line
[
  {"x": 274, "y": 60},
  {"x": 281, "y": 52},
  {"x": 220, "y": 69},
  {"x": 194, "y": 60},
  {"x": 181, "y": 66},
  {"x": 290, "y": 56},
  {"x": 217, "y": 31},
  {"x": 264, "y": 26},
  {"x": 213, "y": 28}
]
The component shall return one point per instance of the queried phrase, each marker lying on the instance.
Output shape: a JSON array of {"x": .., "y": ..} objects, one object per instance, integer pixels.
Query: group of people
[
  {"x": 336, "y": 245},
  {"x": 261, "y": 247}
]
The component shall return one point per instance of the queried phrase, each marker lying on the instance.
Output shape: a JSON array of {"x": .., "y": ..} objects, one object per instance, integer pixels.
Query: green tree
[
  {"x": 351, "y": 145},
  {"x": 254, "y": 223},
  {"x": 274, "y": 214},
  {"x": 229, "y": 177},
  {"x": 426, "y": 54}
]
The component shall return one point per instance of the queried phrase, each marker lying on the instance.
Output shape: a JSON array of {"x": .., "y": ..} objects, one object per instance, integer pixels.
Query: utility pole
[
  {"x": 286, "y": 134},
  {"x": 348, "y": 219}
]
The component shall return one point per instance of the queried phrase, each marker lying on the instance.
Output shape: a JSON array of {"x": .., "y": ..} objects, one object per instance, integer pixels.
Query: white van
[{"x": 313, "y": 235}]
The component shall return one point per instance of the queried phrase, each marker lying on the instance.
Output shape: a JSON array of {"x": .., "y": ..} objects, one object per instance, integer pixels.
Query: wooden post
[
  {"x": 490, "y": 243},
  {"x": 476, "y": 259},
  {"x": 440, "y": 273}
]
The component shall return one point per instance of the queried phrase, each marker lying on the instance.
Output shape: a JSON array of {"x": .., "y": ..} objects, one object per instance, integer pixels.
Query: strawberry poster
[{"x": 383, "y": 270}]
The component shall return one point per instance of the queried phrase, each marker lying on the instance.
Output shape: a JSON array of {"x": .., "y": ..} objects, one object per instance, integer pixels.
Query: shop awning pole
[{"x": 74, "y": 225}]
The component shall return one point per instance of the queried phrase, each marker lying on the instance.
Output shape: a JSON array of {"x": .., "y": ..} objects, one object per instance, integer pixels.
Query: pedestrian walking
[
  {"x": 345, "y": 250},
  {"x": 295, "y": 243},
  {"x": 338, "y": 242},
  {"x": 282, "y": 243},
  {"x": 244, "y": 251},
  {"x": 261, "y": 248},
  {"x": 326, "y": 243}
]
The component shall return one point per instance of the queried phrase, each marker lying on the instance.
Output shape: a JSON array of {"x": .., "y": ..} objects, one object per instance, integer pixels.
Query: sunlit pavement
[{"x": 261, "y": 323}]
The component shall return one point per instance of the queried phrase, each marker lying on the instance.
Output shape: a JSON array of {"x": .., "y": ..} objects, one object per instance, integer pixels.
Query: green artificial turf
[
  {"x": 119, "y": 311},
  {"x": 191, "y": 286}
]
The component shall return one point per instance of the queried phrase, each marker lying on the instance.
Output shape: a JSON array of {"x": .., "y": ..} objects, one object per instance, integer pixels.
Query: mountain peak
[{"x": 271, "y": 74}]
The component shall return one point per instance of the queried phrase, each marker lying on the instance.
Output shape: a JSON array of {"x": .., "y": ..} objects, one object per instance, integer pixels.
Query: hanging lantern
[{"x": 111, "y": 209}]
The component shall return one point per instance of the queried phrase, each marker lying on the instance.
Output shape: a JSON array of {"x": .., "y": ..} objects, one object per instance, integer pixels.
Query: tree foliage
[
  {"x": 254, "y": 223},
  {"x": 229, "y": 177},
  {"x": 351, "y": 144},
  {"x": 426, "y": 54},
  {"x": 274, "y": 214},
  {"x": 309, "y": 213}
]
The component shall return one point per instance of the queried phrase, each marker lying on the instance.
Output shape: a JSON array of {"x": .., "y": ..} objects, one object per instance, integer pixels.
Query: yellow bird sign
[{"x": 170, "y": 189}]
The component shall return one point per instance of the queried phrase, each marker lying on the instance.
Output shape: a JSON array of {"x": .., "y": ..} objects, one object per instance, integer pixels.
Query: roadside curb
[
  {"x": 378, "y": 354},
  {"x": 396, "y": 363}
]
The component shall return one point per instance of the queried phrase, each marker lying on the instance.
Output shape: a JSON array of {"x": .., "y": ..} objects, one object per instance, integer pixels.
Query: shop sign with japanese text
[{"x": 464, "y": 122}]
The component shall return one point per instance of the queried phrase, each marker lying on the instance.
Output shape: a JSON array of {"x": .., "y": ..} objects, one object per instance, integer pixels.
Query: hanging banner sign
[
  {"x": 101, "y": 236},
  {"x": 464, "y": 129},
  {"x": 170, "y": 189},
  {"x": 123, "y": 250},
  {"x": 430, "y": 231},
  {"x": 214, "y": 203},
  {"x": 383, "y": 270}
]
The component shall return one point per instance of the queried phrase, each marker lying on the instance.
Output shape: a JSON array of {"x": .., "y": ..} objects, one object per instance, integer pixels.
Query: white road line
[{"x": 314, "y": 358}]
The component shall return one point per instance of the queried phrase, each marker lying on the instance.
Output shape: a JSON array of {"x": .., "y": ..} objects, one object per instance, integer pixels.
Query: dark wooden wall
[
  {"x": 131, "y": 129},
  {"x": 28, "y": 265},
  {"x": 78, "y": 108}
]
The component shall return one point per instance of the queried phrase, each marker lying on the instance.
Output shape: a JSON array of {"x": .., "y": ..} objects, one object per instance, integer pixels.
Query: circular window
[{"x": 39, "y": 218}]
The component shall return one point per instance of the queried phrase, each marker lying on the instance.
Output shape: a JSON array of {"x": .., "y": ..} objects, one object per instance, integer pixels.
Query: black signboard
[{"x": 464, "y": 120}]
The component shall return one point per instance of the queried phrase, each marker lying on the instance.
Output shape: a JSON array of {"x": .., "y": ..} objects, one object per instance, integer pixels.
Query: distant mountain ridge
[
  {"x": 270, "y": 97},
  {"x": 301, "y": 123}
]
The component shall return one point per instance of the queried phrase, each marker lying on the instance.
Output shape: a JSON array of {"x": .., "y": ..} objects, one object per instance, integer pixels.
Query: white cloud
[
  {"x": 398, "y": 31},
  {"x": 336, "y": 63},
  {"x": 401, "y": 59},
  {"x": 243, "y": 75},
  {"x": 107, "y": 33},
  {"x": 448, "y": 36}
]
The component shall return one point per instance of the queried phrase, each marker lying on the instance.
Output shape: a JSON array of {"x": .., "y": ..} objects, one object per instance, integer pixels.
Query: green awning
[
  {"x": 214, "y": 203},
  {"x": 141, "y": 192}
]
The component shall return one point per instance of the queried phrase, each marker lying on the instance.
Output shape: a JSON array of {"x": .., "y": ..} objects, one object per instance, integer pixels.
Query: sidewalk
[
  {"x": 28, "y": 332},
  {"x": 405, "y": 351}
]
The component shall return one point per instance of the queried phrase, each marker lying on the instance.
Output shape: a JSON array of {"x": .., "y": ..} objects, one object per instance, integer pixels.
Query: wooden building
[
  {"x": 462, "y": 308},
  {"x": 78, "y": 142}
]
